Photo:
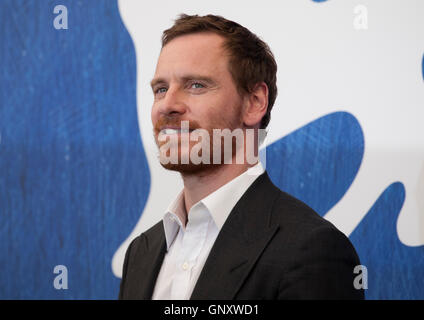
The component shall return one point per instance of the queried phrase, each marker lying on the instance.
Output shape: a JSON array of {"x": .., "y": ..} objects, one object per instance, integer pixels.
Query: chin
[{"x": 190, "y": 168}]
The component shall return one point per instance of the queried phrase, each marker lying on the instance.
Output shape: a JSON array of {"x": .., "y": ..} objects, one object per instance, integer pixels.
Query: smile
[{"x": 175, "y": 131}]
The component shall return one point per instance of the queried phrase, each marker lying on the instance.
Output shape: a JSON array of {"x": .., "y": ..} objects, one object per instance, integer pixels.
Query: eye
[
  {"x": 196, "y": 85},
  {"x": 160, "y": 90}
]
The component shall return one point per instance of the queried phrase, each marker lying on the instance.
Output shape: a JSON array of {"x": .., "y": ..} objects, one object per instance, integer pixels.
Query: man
[{"x": 230, "y": 233}]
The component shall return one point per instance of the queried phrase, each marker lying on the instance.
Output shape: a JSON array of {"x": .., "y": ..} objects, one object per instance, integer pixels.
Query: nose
[{"x": 172, "y": 103}]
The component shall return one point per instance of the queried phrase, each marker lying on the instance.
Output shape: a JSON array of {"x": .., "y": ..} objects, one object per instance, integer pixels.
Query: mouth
[{"x": 169, "y": 131}]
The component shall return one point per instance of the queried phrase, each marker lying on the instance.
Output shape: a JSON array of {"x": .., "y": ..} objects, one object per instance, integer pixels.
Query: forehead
[{"x": 199, "y": 52}]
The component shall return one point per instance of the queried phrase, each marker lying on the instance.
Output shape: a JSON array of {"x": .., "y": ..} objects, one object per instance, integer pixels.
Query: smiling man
[{"x": 230, "y": 233}]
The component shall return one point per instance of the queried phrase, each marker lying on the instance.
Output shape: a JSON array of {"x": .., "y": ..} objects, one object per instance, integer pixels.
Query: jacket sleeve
[
  {"x": 124, "y": 271},
  {"x": 323, "y": 269}
]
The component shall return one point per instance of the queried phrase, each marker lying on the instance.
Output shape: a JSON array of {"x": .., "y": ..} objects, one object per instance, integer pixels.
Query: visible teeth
[
  {"x": 174, "y": 131},
  {"x": 170, "y": 131}
]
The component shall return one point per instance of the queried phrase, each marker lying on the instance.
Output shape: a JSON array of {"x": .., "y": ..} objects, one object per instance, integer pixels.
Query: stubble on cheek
[{"x": 172, "y": 147}]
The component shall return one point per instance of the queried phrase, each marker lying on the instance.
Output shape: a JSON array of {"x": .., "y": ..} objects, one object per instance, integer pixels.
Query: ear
[{"x": 256, "y": 104}]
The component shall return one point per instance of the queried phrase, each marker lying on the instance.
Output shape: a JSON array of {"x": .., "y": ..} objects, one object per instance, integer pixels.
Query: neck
[{"x": 199, "y": 185}]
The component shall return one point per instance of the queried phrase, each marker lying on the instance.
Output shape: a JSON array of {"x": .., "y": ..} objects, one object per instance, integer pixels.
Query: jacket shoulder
[
  {"x": 142, "y": 240},
  {"x": 290, "y": 211},
  {"x": 316, "y": 259}
]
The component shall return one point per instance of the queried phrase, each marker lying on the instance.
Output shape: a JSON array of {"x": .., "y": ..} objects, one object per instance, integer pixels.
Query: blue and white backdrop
[{"x": 79, "y": 177}]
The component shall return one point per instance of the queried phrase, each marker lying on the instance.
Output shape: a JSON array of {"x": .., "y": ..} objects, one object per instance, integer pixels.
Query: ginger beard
[{"x": 189, "y": 146}]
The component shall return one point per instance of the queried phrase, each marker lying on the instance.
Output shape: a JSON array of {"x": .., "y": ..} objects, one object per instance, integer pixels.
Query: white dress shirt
[{"x": 188, "y": 247}]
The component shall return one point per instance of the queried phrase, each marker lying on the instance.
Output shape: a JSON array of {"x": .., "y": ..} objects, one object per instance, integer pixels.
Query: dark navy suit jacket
[{"x": 272, "y": 246}]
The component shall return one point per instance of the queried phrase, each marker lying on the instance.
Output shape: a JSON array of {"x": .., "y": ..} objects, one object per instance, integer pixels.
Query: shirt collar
[
  {"x": 222, "y": 201},
  {"x": 171, "y": 221},
  {"x": 218, "y": 204}
]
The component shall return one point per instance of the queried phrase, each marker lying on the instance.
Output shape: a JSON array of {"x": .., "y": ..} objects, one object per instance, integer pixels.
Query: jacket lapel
[{"x": 239, "y": 244}]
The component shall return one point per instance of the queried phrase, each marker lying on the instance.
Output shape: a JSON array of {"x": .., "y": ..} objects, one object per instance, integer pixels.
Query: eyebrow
[
  {"x": 187, "y": 77},
  {"x": 156, "y": 81}
]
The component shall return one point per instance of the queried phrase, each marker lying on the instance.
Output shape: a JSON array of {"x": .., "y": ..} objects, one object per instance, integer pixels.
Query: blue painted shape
[
  {"x": 395, "y": 271},
  {"x": 319, "y": 0},
  {"x": 74, "y": 177},
  {"x": 318, "y": 162}
]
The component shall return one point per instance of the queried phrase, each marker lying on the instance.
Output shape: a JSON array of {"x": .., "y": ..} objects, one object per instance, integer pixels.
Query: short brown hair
[{"x": 251, "y": 60}]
